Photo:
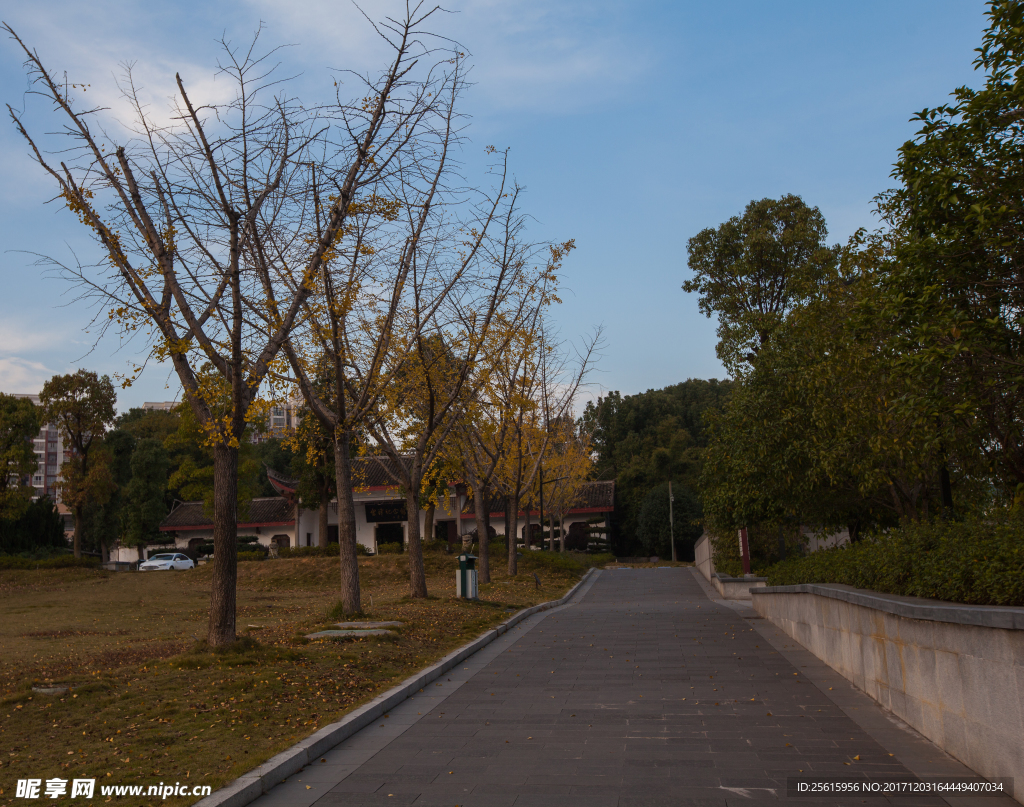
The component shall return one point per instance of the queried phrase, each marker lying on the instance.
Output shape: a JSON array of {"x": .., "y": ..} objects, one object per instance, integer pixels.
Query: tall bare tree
[
  {"x": 534, "y": 391},
  {"x": 377, "y": 278},
  {"x": 211, "y": 232},
  {"x": 447, "y": 338}
]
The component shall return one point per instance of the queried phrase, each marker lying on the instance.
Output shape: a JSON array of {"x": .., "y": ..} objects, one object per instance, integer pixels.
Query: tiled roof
[
  {"x": 593, "y": 497},
  {"x": 367, "y": 472},
  {"x": 596, "y": 495},
  {"x": 269, "y": 511}
]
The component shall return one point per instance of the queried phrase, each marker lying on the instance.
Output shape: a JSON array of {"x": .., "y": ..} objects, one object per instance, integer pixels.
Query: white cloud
[
  {"x": 18, "y": 337},
  {"x": 530, "y": 55},
  {"x": 22, "y": 376}
]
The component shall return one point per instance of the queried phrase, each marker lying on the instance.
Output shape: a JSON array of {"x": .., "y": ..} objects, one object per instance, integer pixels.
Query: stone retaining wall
[
  {"x": 703, "y": 555},
  {"x": 953, "y": 672},
  {"x": 737, "y": 588}
]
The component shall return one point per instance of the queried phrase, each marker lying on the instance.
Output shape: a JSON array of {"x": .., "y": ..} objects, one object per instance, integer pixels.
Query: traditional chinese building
[{"x": 380, "y": 511}]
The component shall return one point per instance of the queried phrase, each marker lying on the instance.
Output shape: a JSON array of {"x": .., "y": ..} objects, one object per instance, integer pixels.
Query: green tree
[
  {"x": 144, "y": 506},
  {"x": 655, "y": 528},
  {"x": 39, "y": 529},
  {"x": 158, "y": 424},
  {"x": 644, "y": 440},
  {"x": 192, "y": 460},
  {"x": 103, "y": 520},
  {"x": 955, "y": 289},
  {"x": 81, "y": 406},
  {"x": 755, "y": 268},
  {"x": 818, "y": 431},
  {"x": 19, "y": 423}
]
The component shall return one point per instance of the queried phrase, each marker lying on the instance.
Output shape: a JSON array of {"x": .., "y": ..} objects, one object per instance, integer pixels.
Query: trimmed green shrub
[
  {"x": 59, "y": 562},
  {"x": 329, "y": 551},
  {"x": 251, "y": 556},
  {"x": 977, "y": 562},
  {"x": 389, "y": 549}
]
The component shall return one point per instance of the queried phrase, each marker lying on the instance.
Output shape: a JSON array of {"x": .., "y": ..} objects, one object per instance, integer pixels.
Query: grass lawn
[{"x": 149, "y": 704}]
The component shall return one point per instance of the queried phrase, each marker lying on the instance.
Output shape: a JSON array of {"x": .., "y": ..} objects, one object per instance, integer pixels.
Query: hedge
[
  {"x": 329, "y": 551},
  {"x": 976, "y": 562},
  {"x": 59, "y": 562}
]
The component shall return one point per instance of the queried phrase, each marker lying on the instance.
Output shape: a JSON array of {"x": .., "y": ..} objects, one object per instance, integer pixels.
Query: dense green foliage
[
  {"x": 953, "y": 288},
  {"x": 752, "y": 270},
  {"x": 977, "y": 561},
  {"x": 654, "y": 524},
  {"x": 643, "y": 441},
  {"x": 19, "y": 423},
  {"x": 39, "y": 528},
  {"x": 191, "y": 469},
  {"x": 888, "y": 393},
  {"x": 144, "y": 494},
  {"x": 329, "y": 551}
]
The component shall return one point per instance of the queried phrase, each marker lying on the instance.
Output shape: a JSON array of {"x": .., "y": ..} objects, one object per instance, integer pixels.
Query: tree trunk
[
  {"x": 527, "y": 534},
  {"x": 104, "y": 552},
  {"x": 349, "y": 560},
  {"x": 428, "y": 522},
  {"x": 508, "y": 521},
  {"x": 417, "y": 575},
  {"x": 225, "y": 546},
  {"x": 480, "y": 510},
  {"x": 513, "y": 559},
  {"x": 561, "y": 532},
  {"x": 78, "y": 531},
  {"x": 325, "y": 505}
]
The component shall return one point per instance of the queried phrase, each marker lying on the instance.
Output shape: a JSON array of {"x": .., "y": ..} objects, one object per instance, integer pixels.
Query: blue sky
[{"x": 632, "y": 125}]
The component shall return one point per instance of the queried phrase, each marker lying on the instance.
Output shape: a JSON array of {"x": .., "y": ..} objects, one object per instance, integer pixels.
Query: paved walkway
[{"x": 644, "y": 691}]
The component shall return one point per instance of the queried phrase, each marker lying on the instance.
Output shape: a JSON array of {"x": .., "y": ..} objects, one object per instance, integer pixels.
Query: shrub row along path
[{"x": 643, "y": 691}]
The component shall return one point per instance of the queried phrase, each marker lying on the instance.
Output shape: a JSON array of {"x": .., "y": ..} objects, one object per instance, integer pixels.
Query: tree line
[
  {"x": 336, "y": 248},
  {"x": 645, "y": 442},
  {"x": 879, "y": 382}
]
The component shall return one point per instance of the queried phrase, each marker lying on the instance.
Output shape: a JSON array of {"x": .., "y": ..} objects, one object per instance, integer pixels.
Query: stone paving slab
[
  {"x": 368, "y": 624},
  {"x": 646, "y": 691},
  {"x": 348, "y": 634}
]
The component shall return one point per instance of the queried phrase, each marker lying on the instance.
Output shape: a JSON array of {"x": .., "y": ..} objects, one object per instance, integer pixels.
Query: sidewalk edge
[{"x": 251, "y": 785}]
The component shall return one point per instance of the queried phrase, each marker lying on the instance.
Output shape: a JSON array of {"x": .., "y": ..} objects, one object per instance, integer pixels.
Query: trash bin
[{"x": 465, "y": 578}]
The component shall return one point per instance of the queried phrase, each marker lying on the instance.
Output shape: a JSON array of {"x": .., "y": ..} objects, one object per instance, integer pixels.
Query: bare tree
[
  {"x": 534, "y": 392},
  {"x": 377, "y": 279},
  {"x": 211, "y": 229},
  {"x": 448, "y": 335}
]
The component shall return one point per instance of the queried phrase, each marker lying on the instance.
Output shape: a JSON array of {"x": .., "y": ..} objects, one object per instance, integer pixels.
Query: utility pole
[{"x": 671, "y": 526}]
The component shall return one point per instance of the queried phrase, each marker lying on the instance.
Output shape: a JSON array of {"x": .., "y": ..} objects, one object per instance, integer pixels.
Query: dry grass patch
[{"x": 148, "y": 702}]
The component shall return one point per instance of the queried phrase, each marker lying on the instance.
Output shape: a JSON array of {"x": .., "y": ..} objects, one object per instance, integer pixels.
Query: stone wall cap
[
  {"x": 752, "y": 579},
  {"x": 987, "y": 616}
]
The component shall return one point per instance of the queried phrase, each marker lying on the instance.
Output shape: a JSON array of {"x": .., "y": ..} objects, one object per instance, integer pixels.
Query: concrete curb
[
  {"x": 250, "y": 786},
  {"x": 985, "y": 616}
]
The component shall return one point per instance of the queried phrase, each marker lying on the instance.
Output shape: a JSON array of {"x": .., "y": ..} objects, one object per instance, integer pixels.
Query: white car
[{"x": 167, "y": 562}]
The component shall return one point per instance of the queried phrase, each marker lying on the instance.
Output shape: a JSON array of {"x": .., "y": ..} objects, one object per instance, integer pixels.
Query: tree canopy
[
  {"x": 19, "y": 423},
  {"x": 753, "y": 269},
  {"x": 643, "y": 441}
]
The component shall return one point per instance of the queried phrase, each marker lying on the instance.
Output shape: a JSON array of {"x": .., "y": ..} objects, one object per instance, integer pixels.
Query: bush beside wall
[{"x": 977, "y": 562}]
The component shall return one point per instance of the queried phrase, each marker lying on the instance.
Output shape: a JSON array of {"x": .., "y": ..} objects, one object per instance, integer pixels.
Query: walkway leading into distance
[{"x": 643, "y": 692}]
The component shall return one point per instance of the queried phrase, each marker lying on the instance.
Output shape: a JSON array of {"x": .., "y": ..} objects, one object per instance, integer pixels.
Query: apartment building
[
  {"x": 159, "y": 406},
  {"x": 48, "y": 447}
]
